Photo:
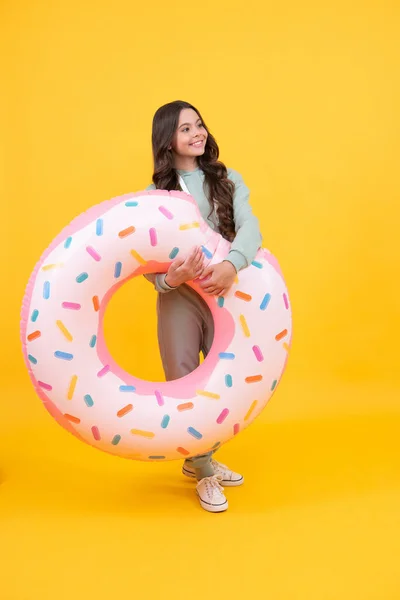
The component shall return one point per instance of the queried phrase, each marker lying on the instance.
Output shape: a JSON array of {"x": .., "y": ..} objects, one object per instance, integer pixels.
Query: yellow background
[{"x": 303, "y": 99}]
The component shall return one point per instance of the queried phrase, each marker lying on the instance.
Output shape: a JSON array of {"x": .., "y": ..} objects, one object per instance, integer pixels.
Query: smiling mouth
[{"x": 197, "y": 144}]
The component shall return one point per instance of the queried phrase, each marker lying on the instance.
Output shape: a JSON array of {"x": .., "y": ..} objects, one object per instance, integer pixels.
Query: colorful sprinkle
[
  {"x": 72, "y": 418},
  {"x": 236, "y": 280},
  {"x": 93, "y": 341},
  {"x": 67, "y": 242},
  {"x": 286, "y": 346},
  {"x": 132, "y": 203},
  {"x": 137, "y": 256},
  {"x": 196, "y": 434},
  {"x": 146, "y": 434},
  {"x": 165, "y": 421},
  {"x": 253, "y": 379},
  {"x": 45, "y": 386},
  {"x": 52, "y": 266},
  {"x": 96, "y": 433},
  {"x": 258, "y": 354},
  {"x": 216, "y": 445},
  {"x": 185, "y": 406},
  {"x": 236, "y": 428},
  {"x": 221, "y": 301},
  {"x": 117, "y": 269},
  {"x": 34, "y": 336},
  {"x": 63, "y": 355},
  {"x": 173, "y": 253},
  {"x": 159, "y": 398},
  {"x": 183, "y": 451},
  {"x": 223, "y": 416},
  {"x": 186, "y": 226},
  {"x": 103, "y": 371},
  {"x": 265, "y": 301},
  {"x": 208, "y": 394},
  {"x": 82, "y": 277},
  {"x": 96, "y": 303},
  {"x": 88, "y": 400},
  {"x": 92, "y": 252},
  {"x": 257, "y": 264},
  {"x": 252, "y": 407},
  {"x": 244, "y": 325},
  {"x": 71, "y": 305},
  {"x": 46, "y": 290},
  {"x": 281, "y": 335},
  {"x": 32, "y": 359},
  {"x": 286, "y": 301},
  {"x": 273, "y": 386},
  {"x": 207, "y": 252},
  {"x": 116, "y": 440},
  {"x": 226, "y": 355},
  {"x": 156, "y": 457},
  {"x": 64, "y": 331},
  {"x": 127, "y": 388},
  {"x": 34, "y": 315},
  {"x": 71, "y": 388},
  {"x": 125, "y": 410},
  {"x": 243, "y": 296},
  {"x": 127, "y": 231},
  {"x": 99, "y": 227},
  {"x": 153, "y": 236},
  {"x": 228, "y": 381},
  {"x": 165, "y": 212}
]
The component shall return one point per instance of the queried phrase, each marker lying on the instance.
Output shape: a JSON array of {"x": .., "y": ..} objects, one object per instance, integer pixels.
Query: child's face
[{"x": 190, "y": 137}]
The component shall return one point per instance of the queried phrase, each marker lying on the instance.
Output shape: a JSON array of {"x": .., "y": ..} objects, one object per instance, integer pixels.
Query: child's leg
[{"x": 201, "y": 465}]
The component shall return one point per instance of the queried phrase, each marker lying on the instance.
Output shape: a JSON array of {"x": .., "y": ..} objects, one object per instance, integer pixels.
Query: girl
[{"x": 186, "y": 158}]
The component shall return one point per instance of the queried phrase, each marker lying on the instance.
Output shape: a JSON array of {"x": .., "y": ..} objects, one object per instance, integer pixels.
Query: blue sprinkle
[
  {"x": 206, "y": 252},
  {"x": 196, "y": 434},
  {"x": 265, "y": 301},
  {"x": 46, "y": 290},
  {"x": 165, "y": 421},
  {"x": 173, "y": 253},
  {"x": 127, "y": 388},
  {"x": 131, "y": 203},
  {"x": 93, "y": 340},
  {"x": 32, "y": 359},
  {"x": 156, "y": 457},
  {"x": 226, "y": 355},
  {"x": 88, "y": 400},
  {"x": 116, "y": 440},
  {"x": 63, "y": 355},
  {"x": 82, "y": 277},
  {"x": 34, "y": 315},
  {"x": 220, "y": 301},
  {"x": 228, "y": 381},
  {"x": 117, "y": 270},
  {"x": 67, "y": 242},
  {"x": 257, "y": 264},
  {"x": 99, "y": 227},
  {"x": 273, "y": 386}
]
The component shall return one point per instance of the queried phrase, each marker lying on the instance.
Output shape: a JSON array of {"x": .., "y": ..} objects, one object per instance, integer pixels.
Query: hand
[
  {"x": 185, "y": 269},
  {"x": 218, "y": 279}
]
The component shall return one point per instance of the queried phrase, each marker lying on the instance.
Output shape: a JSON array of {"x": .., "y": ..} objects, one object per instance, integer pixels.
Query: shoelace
[{"x": 214, "y": 482}]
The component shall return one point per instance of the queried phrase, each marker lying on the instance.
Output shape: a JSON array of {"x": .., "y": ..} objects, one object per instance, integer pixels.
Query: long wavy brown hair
[{"x": 165, "y": 176}]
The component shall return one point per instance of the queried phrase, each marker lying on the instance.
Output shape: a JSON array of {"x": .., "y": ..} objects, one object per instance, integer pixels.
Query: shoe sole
[
  {"x": 214, "y": 508},
  {"x": 224, "y": 482}
]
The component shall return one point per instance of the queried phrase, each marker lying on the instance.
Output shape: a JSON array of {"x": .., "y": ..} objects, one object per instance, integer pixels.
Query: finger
[{"x": 207, "y": 271}]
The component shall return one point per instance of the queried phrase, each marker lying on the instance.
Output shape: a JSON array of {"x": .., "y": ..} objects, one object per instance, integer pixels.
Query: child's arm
[{"x": 248, "y": 237}]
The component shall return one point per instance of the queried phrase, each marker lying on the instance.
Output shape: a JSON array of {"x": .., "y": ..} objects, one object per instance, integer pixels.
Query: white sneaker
[
  {"x": 229, "y": 478},
  {"x": 211, "y": 494}
]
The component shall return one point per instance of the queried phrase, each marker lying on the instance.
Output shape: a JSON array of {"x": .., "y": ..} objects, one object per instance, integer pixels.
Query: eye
[
  {"x": 201, "y": 125},
  {"x": 185, "y": 129}
]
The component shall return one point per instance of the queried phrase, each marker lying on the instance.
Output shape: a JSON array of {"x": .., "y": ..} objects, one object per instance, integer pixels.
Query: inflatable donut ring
[{"x": 81, "y": 385}]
